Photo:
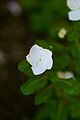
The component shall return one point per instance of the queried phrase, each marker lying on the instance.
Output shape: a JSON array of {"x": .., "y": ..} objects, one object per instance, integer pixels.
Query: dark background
[{"x": 15, "y": 41}]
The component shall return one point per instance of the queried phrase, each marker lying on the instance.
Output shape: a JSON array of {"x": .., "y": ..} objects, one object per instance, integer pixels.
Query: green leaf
[
  {"x": 52, "y": 77},
  {"x": 43, "y": 95},
  {"x": 22, "y": 65},
  {"x": 52, "y": 110},
  {"x": 42, "y": 43},
  {"x": 76, "y": 113},
  {"x": 75, "y": 50},
  {"x": 45, "y": 44},
  {"x": 69, "y": 86},
  {"x": 25, "y": 67},
  {"x": 33, "y": 85},
  {"x": 61, "y": 62},
  {"x": 55, "y": 46},
  {"x": 57, "y": 110},
  {"x": 75, "y": 109}
]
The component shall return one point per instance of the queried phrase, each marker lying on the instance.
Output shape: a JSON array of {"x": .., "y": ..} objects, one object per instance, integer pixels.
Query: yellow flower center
[
  {"x": 79, "y": 8},
  {"x": 40, "y": 59}
]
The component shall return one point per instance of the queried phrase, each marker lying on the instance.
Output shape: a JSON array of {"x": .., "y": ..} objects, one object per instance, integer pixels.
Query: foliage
[{"x": 61, "y": 97}]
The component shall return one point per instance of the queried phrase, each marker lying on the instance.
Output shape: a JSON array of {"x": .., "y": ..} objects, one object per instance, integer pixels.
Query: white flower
[
  {"x": 74, "y": 5},
  {"x": 14, "y": 8},
  {"x": 62, "y": 33},
  {"x": 40, "y": 59},
  {"x": 65, "y": 75}
]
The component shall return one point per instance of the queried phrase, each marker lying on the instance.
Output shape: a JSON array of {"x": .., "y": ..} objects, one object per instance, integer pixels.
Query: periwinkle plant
[{"x": 53, "y": 67}]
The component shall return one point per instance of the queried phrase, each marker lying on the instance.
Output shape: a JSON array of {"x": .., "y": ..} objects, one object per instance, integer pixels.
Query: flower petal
[
  {"x": 46, "y": 54},
  {"x": 68, "y": 75},
  {"x": 73, "y": 4},
  {"x": 35, "y": 50},
  {"x": 47, "y": 58},
  {"x": 37, "y": 70},
  {"x": 65, "y": 75},
  {"x": 49, "y": 63},
  {"x": 74, "y": 15},
  {"x": 32, "y": 60}
]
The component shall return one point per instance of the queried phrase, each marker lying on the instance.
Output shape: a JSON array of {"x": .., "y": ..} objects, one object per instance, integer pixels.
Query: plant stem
[{"x": 59, "y": 110}]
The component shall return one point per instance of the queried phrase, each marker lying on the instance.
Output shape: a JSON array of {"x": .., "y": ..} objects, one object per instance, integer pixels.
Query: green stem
[
  {"x": 67, "y": 83},
  {"x": 59, "y": 111}
]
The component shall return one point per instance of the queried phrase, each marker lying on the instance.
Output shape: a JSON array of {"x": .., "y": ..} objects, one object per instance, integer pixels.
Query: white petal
[
  {"x": 74, "y": 15},
  {"x": 47, "y": 58},
  {"x": 32, "y": 60},
  {"x": 35, "y": 50},
  {"x": 37, "y": 70},
  {"x": 78, "y": 2},
  {"x": 14, "y": 8},
  {"x": 62, "y": 32},
  {"x": 65, "y": 75},
  {"x": 68, "y": 75},
  {"x": 46, "y": 54},
  {"x": 48, "y": 63},
  {"x": 73, "y": 4}
]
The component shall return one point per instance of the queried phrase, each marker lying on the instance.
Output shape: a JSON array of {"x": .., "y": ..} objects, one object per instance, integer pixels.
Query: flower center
[
  {"x": 79, "y": 8},
  {"x": 40, "y": 59}
]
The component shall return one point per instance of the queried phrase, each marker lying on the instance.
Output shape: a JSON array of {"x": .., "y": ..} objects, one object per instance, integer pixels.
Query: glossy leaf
[
  {"x": 33, "y": 85},
  {"x": 69, "y": 86},
  {"x": 43, "y": 95},
  {"x": 25, "y": 67},
  {"x": 52, "y": 78},
  {"x": 57, "y": 111},
  {"x": 42, "y": 43}
]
